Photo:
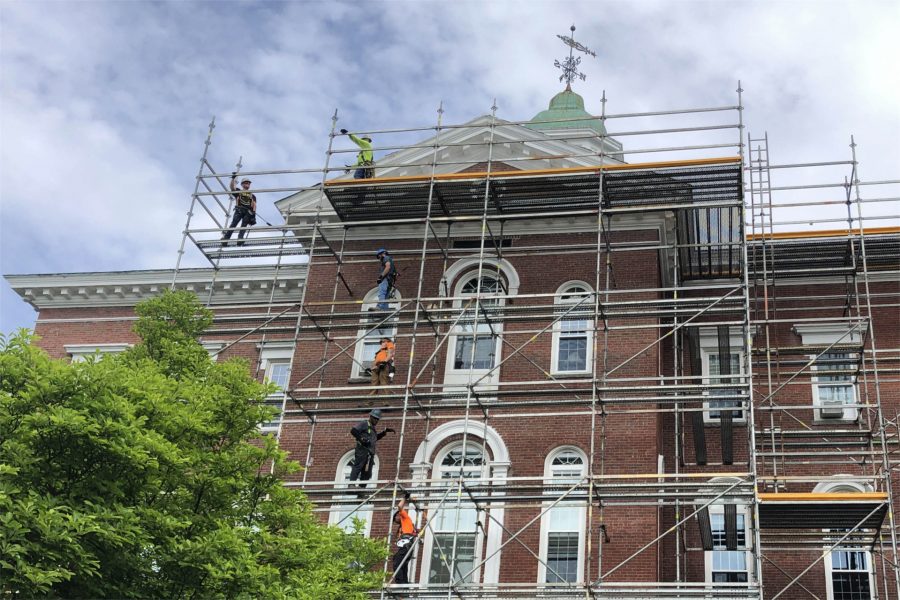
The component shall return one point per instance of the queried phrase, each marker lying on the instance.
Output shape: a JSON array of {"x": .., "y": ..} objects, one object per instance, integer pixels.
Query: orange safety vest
[
  {"x": 407, "y": 527},
  {"x": 382, "y": 355}
]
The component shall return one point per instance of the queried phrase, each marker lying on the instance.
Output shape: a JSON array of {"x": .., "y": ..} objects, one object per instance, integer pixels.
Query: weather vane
[{"x": 570, "y": 65}]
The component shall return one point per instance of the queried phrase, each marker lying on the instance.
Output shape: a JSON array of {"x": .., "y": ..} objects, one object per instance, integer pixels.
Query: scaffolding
[{"x": 735, "y": 446}]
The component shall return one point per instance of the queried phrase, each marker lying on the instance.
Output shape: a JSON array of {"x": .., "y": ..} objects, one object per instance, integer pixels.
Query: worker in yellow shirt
[{"x": 365, "y": 163}]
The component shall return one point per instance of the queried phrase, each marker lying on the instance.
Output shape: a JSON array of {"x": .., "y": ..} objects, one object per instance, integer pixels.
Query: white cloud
[{"x": 105, "y": 105}]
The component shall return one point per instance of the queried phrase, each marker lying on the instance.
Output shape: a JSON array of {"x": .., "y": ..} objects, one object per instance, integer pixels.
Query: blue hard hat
[
  {"x": 376, "y": 413},
  {"x": 380, "y": 251}
]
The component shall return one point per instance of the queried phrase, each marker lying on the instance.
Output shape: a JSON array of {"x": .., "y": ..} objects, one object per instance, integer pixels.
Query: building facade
[{"x": 618, "y": 373}]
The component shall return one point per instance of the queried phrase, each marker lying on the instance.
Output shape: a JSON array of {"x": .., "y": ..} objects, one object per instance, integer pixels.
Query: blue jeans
[
  {"x": 366, "y": 171},
  {"x": 384, "y": 288},
  {"x": 243, "y": 215}
]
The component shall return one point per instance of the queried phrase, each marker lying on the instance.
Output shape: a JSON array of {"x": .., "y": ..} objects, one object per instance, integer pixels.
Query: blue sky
[{"x": 105, "y": 104}]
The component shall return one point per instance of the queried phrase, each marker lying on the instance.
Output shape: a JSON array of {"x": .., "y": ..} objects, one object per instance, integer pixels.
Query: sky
[{"x": 104, "y": 106}]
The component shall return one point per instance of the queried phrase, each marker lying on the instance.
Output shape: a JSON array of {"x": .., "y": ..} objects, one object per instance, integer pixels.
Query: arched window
[
  {"x": 349, "y": 507},
  {"x": 563, "y": 526},
  {"x": 370, "y": 336},
  {"x": 439, "y": 458},
  {"x": 573, "y": 339},
  {"x": 459, "y": 519},
  {"x": 848, "y": 571},
  {"x": 476, "y": 343}
]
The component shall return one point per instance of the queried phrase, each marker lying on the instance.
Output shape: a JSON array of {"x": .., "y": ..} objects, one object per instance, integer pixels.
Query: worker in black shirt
[
  {"x": 366, "y": 439},
  {"x": 244, "y": 209}
]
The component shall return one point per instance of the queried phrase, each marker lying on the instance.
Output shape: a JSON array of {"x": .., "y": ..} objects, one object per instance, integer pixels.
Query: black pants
[
  {"x": 401, "y": 573},
  {"x": 363, "y": 461},
  {"x": 242, "y": 214}
]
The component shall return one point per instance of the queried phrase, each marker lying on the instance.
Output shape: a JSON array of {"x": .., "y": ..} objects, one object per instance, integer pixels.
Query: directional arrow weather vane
[{"x": 570, "y": 65}]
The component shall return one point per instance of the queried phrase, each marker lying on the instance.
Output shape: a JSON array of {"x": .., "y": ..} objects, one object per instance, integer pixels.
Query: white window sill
[
  {"x": 574, "y": 374},
  {"x": 708, "y": 422},
  {"x": 842, "y": 421}
]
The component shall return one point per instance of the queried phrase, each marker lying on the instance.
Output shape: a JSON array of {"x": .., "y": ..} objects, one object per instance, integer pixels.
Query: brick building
[{"x": 619, "y": 373}]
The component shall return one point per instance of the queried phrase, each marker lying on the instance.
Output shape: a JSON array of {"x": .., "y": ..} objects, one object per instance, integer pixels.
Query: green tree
[{"x": 143, "y": 475}]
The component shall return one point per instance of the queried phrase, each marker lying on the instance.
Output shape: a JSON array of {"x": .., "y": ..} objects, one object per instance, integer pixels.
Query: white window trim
[
  {"x": 719, "y": 509},
  {"x": 80, "y": 352},
  {"x": 422, "y": 467},
  {"x": 365, "y": 512},
  {"x": 490, "y": 265},
  {"x": 707, "y": 379},
  {"x": 457, "y": 331},
  {"x": 213, "y": 348},
  {"x": 557, "y": 331},
  {"x": 545, "y": 520},
  {"x": 850, "y": 413},
  {"x": 826, "y": 334},
  {"x": 479, "y": 534},
  {"x": 853, "y": 484},
  {"x": 269, "y": 354},
  {"x": 370, "y": 300}
]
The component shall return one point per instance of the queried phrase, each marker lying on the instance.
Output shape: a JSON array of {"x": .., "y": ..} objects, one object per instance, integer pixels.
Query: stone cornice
[
  {"x": 126, "y": 288},
  {"x": 537, "y": 226}
]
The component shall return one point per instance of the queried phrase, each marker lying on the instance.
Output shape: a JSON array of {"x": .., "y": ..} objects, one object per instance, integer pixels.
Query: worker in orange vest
[
  {"x": 406, "y": 540},
  {"x": 382, "y": 368}
]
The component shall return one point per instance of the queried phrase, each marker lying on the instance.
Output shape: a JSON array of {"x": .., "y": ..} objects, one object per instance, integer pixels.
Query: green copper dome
[{"x": 566, "y": 105}]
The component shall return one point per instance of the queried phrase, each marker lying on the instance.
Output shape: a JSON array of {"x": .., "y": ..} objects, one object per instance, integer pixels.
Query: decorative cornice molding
[
  {"x": 828, "y": 333},
  {"x": 564, "y": 225},
  {"x": 127, "y": 288}
]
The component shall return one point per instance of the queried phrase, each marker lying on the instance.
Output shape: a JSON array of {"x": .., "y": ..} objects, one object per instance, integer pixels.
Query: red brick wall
[{"x": 632, "y": 440}]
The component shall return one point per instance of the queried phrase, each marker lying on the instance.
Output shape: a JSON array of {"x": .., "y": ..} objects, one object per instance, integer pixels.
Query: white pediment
[{"x": 454, "y": 150}]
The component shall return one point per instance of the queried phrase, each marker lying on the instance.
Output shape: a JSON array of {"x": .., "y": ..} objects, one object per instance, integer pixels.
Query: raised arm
[{"x": 360, "y": 142}]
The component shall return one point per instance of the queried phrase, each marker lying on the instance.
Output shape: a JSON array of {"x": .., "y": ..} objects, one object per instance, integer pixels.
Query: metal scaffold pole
[
  {"x": 470, "y": 388},
  {"x": 469, "y": 206},
  {"x": 412, "y": 349},
  {"x": 880, "y": 420},
  {"x": 310, "y": 253},
  {"x": 747, "y": 350},
  {"x": 190, "y": 212}
]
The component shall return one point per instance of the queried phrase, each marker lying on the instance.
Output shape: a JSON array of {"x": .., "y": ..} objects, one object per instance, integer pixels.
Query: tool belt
[{"x": 405, "y": 540}]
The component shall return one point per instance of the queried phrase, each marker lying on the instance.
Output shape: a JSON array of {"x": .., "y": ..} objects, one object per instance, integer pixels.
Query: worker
[
  {"x": 366, "y": 438},
  {"x": 244, "y": 209},
  {"x": 387, "y": 275},
  {"x": 365, "y": 165},
  {"x": 382, "y": 369},
  {"x": 407, "y": 534}
]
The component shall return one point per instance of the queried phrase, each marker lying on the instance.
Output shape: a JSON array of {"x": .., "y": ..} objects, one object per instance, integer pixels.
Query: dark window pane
[
  {"x": 562, "y": 557},
  {"x": 484, "y": 352},
  {"x": 441, "y": 557},
  {"x": 730, "y": 577},
  {"x": 572, "y": 354},
  {"x": 850, "y": 586}
]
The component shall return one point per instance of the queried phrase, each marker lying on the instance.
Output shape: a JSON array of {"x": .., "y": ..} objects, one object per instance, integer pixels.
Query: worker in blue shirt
[{"x": 387, "y": 275}]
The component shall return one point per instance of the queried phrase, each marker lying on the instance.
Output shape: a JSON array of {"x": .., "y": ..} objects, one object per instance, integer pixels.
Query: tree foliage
[{"x": 142, "y": 475}]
